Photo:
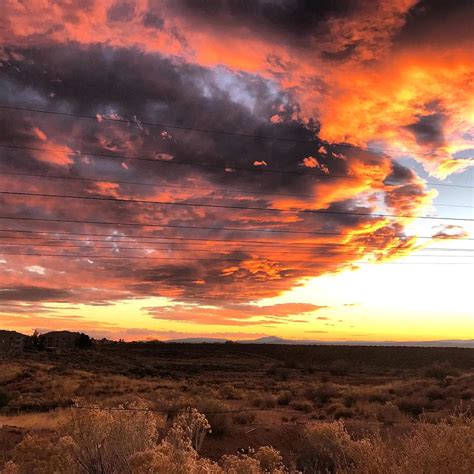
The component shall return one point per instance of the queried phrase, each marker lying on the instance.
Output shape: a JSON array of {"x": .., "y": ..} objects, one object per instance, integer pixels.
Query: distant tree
[
  {"x": 35, "y": 340},
  {"x": 83, "y": 341}
]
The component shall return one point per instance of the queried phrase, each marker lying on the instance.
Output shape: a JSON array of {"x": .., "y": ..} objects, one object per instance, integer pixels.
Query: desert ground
[{"x": 314, "y": 408}]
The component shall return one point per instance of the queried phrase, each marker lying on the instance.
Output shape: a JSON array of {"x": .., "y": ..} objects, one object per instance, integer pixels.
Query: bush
[
  {"x": 326, "y": 446},
  {"x": 229, "y": 392},
  {"x": 339, "y": 411},
  {"x": 4, "y": 399},
  {"x": 240, "y": 464},
  {"x": 127, "y": 441},
  {"x": 215, "y": 412},
  {"x": 281, "y": 373},
  {"x": 284, "y": 398},
  {"x": 414, "y": 405},
  {"x": 388, "y": 413},
  {"x": 305, "y": 406},
  {"x": 440, "y": 370},
  {"x": 378, "y": 396},
  {"x": 445, "y": 447},
  {"x": 265, "y": 402},
  {"x": 244, "y": 417},
  {"x": 270, "y": 459},
  {"x": 323, "y": 394}
]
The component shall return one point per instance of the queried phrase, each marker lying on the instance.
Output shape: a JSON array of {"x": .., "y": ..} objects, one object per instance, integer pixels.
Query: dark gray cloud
[
  {"x": 288, "y": 19},
  {"x": 33, "y": 293},
  {"x": 429, "y": 130}
]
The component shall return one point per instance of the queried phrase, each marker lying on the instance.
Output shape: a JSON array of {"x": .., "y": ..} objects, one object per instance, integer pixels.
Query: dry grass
[
  {"x": 50, "y": 421},
  {"x": 211, "y": 380}
]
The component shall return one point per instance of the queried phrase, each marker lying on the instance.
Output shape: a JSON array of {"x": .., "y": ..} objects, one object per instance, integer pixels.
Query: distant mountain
[
  {"x": 199, "y": 340},
  {"x": 466, "y": 343}
]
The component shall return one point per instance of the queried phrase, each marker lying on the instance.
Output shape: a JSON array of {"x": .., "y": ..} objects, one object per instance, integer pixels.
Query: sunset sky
[{"x": 298, "y": 169}]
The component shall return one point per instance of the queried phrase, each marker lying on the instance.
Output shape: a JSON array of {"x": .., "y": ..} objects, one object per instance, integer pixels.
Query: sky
[{"x": 298, "y": 169}]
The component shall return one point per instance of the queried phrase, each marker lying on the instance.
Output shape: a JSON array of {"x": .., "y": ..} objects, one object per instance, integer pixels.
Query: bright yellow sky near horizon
[{"x": 395, "y": 302}]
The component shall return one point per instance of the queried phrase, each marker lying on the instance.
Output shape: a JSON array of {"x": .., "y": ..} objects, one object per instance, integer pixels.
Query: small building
[
  {"x": 60, "y": 340},
  {"x": 12, "y": 341}
]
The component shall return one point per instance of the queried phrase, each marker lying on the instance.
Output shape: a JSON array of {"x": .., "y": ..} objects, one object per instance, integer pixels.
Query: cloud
[
  {"x": 233, "y": 315},
  {"x": 32, "y": 293},
  {"x": 318, "y": 77},
  {"x": 450, "y": 231},
  {"x": 429, "y": 130}
]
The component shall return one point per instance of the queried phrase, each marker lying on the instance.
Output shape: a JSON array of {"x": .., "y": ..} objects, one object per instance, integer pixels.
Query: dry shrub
[
  {"x": 166, "y": 458},
  {"x": 378, "y": 396},
  {"x": 229, "y": 392},
  {"x": 327, "y": 446},
  {"x": 266, "y": 401},
  {"x": 435, "y": 393},
  {"x": 191, "y": 426},
  {"x": 339, "y": 411},
  {"x": 440, "y": 370},
  {"x": 103, "y": 440},
  {"x": 304, "y": 406},
  {"x": 39, "y": 455},
  {"x": 269, "y": 458},
  {"x": 284, "y": 398},
  {"x": 323, "y": 393},
  {"x": 216, "y": 413},
  {"x": 280, "y": 373},
  {"x": 442, "y": 448},
  {"x": 414, "y": 404},
  {"x": 387, "y": 413},
  {"x": 108, "y": 442},
  {"x": 244, "y": 417},
  {"x": 233, "y": 464}
]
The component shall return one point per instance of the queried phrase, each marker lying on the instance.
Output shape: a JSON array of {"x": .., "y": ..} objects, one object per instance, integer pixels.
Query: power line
[
  {"x": 148, "y": 258},
  {"x": 226, "y": 206},
  {"x": 275, "y": 254},
  {"x": 137, "y": 409},
  {"x": 233, "y": 229},
  {"x": 239, "y": 247},
  {"x": 259, "y": 169},
  {"x": 208, "y": 130},
  {"x": 178, "y": 186},
  {"x": 159, "y": 185},
  {"x": 203, "y": 241}
]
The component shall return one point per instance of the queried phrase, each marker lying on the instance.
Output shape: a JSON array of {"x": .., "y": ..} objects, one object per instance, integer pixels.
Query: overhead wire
[
  {"x": 215, "y": 228},
  {"x": 249, "y": 244},
  {"x": 148, "y": 258},
  {"x": 227, "y": 168},
  {"x": 135, "y": 121},
  {"x": 179, "y": 186},
  {"x": 233, "y": 207},
  {"x": 222, "y": 252}
]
